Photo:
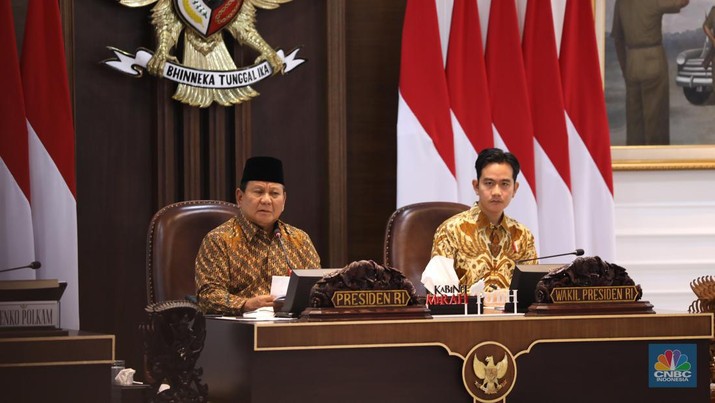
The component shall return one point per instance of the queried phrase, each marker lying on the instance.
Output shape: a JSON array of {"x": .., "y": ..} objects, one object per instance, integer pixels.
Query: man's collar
[
  {"x": 483, "y": 221},
  {"x": 248, "y": 228},
  {"x": 251, "y": 229}
]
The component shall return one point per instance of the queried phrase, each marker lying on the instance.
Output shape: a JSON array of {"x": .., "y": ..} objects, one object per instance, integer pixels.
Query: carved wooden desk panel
[
  {"x": 66, "y": 368},
  {"x": 556, "y": 359}
]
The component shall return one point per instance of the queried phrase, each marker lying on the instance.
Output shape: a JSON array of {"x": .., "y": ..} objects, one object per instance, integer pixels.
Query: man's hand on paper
[{"x": 259, "y": 301}]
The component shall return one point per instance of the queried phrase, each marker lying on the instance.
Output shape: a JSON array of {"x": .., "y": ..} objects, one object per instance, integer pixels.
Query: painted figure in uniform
[{"x": 637, "y": 34}]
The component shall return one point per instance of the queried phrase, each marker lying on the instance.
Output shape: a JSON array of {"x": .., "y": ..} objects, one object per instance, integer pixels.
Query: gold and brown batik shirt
[
  {"x": 482, "y": 250},
  {"x": 238, "y": 258}
]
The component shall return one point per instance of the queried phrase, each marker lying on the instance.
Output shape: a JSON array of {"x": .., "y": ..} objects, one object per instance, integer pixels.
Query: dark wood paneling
[
  {"x": 460, "y": 334},
  {"x": 431, "y": 360},
  {"x": 373, "y": 61},
  {"x": 337, "y": 135},
  {"x": 217, "y": 149},
  {"x": 114, "y": 149},
  {"x": 191, "y": 134},
  {"x": 47, "y": 368},
  {"x": 289, "y": 117},
  {"x": 242, "y": 142},
  {"x": 166, "y": 164}
]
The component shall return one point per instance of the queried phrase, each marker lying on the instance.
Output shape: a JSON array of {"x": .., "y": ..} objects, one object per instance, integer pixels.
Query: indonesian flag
[
  {"x": 589, "y": 139},
  {"x": 551, "y": 151},
  {"x": 51, "y": 146},
  {"x": 511, "y": 112},
  {"x": 469, "y": 95},
  {"x": 16, "y": 242},
  {"x": 425, "y": 143},
  {"x": 522, "y": 96}
]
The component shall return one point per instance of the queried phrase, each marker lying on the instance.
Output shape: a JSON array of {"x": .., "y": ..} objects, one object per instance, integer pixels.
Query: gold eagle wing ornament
[
  {"x": 489, "y": 374},
  {"x": 202, "y": 22},
  {"x": 704, "y": 289}
]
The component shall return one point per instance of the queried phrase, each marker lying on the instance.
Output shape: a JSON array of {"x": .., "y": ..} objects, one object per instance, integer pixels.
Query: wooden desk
[
  {"x": 68, "y": 368},
  {"x": 555, "y": 359}
]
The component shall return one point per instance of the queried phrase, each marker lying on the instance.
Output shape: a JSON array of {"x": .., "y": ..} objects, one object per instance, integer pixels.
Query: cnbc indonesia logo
[{"x": 672, "y": 366}]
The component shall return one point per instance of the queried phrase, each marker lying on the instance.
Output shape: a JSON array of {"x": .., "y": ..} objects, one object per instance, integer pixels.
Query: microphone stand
[
  {"x": 34, "y": 266},
  {"x": 577, "y": 252},
  {"x": 277, "y": 235}
]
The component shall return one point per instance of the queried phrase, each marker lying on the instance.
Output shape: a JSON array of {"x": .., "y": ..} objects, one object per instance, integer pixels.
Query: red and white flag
[
  {"x": 52, "y": 157},
  {"x": 511, "y": 112},
  {"x": 589, "y": 138},
  {"x": 469, "y": 95},
  {"x": 16, "y": 241},
  {"x": 551, "y": 149},
  {"x": 425, "y": 143},
  {"x": 546, "y": 108}
]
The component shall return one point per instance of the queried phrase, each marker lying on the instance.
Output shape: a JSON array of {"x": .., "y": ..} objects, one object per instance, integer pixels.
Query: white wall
[{"x": 665, "y": 232}]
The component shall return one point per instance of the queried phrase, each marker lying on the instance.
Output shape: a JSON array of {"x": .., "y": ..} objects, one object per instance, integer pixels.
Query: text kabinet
[
  {"x": 450, "y": 289},
  {"x": 448, "y": 295}
]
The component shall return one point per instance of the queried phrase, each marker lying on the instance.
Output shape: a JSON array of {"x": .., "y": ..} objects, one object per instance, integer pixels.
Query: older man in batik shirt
[
  {"x": 237, "y": 259},
  {"x": 483, "y": 241}
]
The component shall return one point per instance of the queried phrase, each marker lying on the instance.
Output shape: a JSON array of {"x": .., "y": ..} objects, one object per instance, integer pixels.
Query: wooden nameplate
[
  {"x": 374, "y": 313},
  {"x": 590, "y": 308}
]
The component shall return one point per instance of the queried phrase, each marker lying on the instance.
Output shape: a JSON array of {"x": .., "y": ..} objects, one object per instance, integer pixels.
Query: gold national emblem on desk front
[
  {"x": 489, "y": 375},
  {"x": 489, "y": 372},
  {"x": 207, "y": 72}
]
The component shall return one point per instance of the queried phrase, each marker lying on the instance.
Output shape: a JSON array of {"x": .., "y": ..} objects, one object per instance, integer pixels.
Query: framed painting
[{"x": 685, "y": 139}]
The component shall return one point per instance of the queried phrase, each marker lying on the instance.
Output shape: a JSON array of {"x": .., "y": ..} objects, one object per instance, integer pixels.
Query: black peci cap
[{"x": 267, "y": 169}]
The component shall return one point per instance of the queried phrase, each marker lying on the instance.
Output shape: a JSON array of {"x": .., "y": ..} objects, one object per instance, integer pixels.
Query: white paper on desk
[
  {"x": 279, "y": 286},
  {"x": 439, "y": 271},
  {"x": 265, "y": 312}
]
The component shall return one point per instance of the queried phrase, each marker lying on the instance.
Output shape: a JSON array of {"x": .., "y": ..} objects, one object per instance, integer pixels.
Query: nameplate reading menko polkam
[
  {"x": 27, "y": 314},
  {"x": 625, "y": 293},
  {"x": 370, "y": 298}
]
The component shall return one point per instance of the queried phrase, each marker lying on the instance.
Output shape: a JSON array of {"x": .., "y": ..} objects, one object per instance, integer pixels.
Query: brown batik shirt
[
  {"x": 482, "y": 250},
  {"x": 238, "y": 258}
]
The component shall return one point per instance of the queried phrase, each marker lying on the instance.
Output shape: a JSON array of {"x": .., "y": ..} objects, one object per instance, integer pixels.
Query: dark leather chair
[
  {"x": 409, "y": 235},
  {"x": 173, "y": 240}
]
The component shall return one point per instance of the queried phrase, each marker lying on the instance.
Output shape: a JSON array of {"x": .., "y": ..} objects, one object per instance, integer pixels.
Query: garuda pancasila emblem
[
  {"x": 206, "y": 73},
  {"x": 489, "y": 374}
]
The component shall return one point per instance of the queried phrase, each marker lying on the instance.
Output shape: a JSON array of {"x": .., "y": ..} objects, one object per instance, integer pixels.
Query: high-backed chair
[
  {"x": 173, "y": 240},
  {"x": 409, "y": 235}
]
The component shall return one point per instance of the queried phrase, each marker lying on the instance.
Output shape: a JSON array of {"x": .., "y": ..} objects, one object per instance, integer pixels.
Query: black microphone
[
  {"x": 277, "y": 235},
  {"x": 577, "y": 252},
  {"x": 34, "y": 266}
]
